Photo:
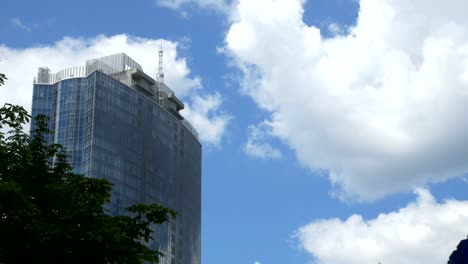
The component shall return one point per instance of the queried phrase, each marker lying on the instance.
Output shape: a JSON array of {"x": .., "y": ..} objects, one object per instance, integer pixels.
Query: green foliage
[{"x": 48, "y": 214}]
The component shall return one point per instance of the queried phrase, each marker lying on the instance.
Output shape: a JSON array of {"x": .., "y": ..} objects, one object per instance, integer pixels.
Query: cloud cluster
[
  {"x": 20, "y": 66},
  {"x": 205, "y": 114},
  {"x": 257, "y": 145},
  {"x": 422, "y": 232},
  {"x": 381, "y": 108}
]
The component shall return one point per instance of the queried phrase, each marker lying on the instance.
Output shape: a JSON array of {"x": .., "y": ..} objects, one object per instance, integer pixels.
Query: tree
[
  {"x": 2, "y": 78},
  {"x": 48, "y": 214},
  {"x": 460, "y": 255}
]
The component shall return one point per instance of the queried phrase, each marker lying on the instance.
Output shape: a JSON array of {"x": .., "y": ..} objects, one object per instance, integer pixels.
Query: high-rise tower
[{"x": 118, "y": 123}]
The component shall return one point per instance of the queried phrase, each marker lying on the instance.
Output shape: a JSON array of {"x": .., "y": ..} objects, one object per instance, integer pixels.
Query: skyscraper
[{"x": 119, "y": 124}]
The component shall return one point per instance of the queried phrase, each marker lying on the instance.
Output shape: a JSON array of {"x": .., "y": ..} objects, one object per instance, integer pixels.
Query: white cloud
[
  {"x": 257, "y": 145},
  {"x": 216, "y": 5},
  {"x": 18, "y": 23},
  {"x": 256, "y": 262},
  {"x": 20, "y": 66},
  {"x": 205, "y": 115},
  {"x": 422, "y": 232},
  {"x": 335, "y": 29},
  {"x": 382, "y": 108}
]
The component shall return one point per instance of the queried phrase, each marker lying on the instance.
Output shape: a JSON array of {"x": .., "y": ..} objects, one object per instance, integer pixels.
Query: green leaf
[{"x": 48, "y": 214}]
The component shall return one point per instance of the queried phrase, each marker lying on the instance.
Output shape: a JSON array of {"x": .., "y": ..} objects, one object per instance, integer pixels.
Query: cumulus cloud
[
  {"x": 257, "y": 145},
  {"x": 335, "y": 29},
  {"x": 381, "y": 108},
  {"x": 424, "y": 231},
  {"x": 20, "y": 66},
  {"x": 205, "y": 114}
]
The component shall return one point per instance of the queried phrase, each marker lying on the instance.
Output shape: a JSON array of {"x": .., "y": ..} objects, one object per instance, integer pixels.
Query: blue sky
[{"x": 333, "y": 131}]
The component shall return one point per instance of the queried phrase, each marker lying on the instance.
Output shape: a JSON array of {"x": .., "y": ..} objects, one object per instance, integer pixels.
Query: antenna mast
[
  {"x": 160, "y": 68},
  {"x": 160, "y": 77}
]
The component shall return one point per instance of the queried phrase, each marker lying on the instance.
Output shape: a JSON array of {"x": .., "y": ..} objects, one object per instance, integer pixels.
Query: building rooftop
[{"x": 127, "y": 71}]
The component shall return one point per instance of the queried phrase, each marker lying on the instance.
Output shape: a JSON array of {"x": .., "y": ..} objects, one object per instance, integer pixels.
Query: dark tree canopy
[
  {"x": 2, "y": 78},
  {"x": 460, "y": 255},
  {"x": 48, "y": 214}
]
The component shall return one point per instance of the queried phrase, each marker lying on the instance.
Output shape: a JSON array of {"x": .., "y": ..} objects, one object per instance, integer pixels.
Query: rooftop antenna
[
  {"x": 160, "y": 77},
  {"x": 160, "y": 68}
]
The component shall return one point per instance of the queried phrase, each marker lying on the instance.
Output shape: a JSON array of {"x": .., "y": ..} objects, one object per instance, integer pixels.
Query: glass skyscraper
[{"x": 119, "y": 124}]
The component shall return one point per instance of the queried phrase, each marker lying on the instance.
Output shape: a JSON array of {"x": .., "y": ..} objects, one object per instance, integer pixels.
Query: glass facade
[{"x": 116, "y": 132}]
